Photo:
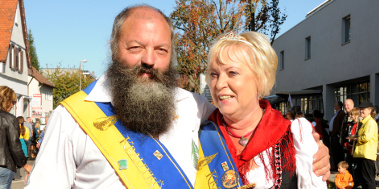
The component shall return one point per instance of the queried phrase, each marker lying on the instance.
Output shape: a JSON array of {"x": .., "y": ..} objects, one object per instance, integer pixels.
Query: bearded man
[{"x": 146, "y": 132}]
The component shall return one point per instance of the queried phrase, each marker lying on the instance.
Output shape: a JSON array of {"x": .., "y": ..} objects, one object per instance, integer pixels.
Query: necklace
[{"x": 243, "y": 139}]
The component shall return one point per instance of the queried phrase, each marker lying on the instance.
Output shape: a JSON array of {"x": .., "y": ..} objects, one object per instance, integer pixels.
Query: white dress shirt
[{"x": 69, "y": 159}]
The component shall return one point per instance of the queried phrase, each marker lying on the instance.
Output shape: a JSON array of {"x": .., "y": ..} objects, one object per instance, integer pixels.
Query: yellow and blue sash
[
  {"x": 140, "y": 161},
  {"x": 216, "y": 168}
]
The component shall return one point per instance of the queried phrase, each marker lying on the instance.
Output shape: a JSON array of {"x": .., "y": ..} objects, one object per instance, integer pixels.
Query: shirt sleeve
[
  {"x": 305, "y": 147},
  {"x": 55, "y": 164}
]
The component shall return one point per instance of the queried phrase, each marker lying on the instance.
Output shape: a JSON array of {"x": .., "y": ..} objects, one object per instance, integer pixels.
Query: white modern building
[{"x": 334, "y": 50}]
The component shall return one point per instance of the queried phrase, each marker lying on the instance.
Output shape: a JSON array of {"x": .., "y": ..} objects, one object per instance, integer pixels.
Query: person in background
[
  {"x": 299, "y": 114},
  {"x": 268, "y": 150},
  {"x": 37, "y": 130},
  {"x": 24, "y": 136},
  {"x": 347, "y": 125},
  {"x": 376, "y": 109},
  {"x": 11, "y": 154},
  {"x": 318, "y": 127},
  {"x": 336, "y": 148},
  {"x": 343, "y": 179},
  {"x": 366, "y": 145},
  {"x": 290, "y": 115},
  {"x": 349, "y": 144},
  {"x": 28, "y": 125},
  {"x": 42, "y": 133}
]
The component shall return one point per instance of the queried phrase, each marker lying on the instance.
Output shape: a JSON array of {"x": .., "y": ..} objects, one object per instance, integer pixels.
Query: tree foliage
[
  {"x": 198, "y": 22},
  {"x": 33, "y": 52},
  {"x": 67, "y": 82},
  {"x": 266, "y": 20}
]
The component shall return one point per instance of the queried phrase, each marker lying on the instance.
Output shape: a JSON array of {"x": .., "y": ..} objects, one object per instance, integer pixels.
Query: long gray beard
[{"x": 143, "y": 105}]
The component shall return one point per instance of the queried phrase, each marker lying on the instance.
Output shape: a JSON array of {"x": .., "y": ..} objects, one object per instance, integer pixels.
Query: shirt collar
[{"x": 366, "y": 119}]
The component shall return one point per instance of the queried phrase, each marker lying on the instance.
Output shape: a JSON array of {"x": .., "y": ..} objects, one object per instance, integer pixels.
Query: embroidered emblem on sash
[
  {"x": 205, "y": 161},
  {"x": 158, "y": 155},
  {"x": 139, "y": 162},
  {"x": 229, "y": 179},
  {"x": 224, "y": 166},
  {"x": 104, "y": 123},
  {"x": 122, "y": 164}
]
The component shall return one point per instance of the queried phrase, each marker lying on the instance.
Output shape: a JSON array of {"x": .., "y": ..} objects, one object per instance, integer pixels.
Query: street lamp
[{"x": 80, "y": 73}]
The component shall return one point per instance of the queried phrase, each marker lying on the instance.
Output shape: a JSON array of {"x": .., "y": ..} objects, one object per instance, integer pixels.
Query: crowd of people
[{"x": 352, "y": 137}]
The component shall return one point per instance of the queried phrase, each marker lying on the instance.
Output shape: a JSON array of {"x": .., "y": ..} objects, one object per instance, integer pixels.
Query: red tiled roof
[
  {"x": 39, "y": 77},
  {"x": 7, "y": 14}
]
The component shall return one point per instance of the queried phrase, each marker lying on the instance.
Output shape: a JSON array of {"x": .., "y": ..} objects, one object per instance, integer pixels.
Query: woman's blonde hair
[
  {"x": 251, "y": 48},
  {"x": 355, "y": 111},
  {"x": 7, "y": 97}
]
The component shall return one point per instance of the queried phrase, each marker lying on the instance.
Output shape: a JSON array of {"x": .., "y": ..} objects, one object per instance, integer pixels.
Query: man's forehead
[{"x": 145, "y": 13}]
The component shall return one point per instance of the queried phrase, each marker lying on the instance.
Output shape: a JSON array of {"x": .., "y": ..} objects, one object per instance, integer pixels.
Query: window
[
  {"x": 16, "y": 19},
  {"x": 358, "y": 91},
  {"x": 308, "y": 47},
  {"x": 11, "y": 56},
  {"x": 303, "y": 103},
  {"x": 21, "y": 61},
  {"x": 16, "y": 59},
  {"x": 346, "y": 30}
]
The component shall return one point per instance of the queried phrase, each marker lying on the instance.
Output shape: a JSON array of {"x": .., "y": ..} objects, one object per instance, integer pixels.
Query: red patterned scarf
[{"x": 273, "y": 130}]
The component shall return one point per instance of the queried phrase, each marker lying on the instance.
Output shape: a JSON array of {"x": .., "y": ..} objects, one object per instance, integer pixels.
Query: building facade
[
  {"x": 41, "y": 93},
  {"x": 334, "y": 50},
  {"x": 15, "y": 63}
]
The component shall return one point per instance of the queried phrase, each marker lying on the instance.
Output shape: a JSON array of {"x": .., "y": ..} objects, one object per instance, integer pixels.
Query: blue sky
[{"x": 66, "y": 32}]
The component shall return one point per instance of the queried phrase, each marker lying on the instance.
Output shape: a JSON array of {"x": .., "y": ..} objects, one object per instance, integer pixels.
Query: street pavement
[{"x": 20, "y": 184}]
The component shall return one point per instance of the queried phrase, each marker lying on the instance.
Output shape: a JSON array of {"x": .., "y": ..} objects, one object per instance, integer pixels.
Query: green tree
[
  {"x": 198, "y": 22},
  {"x": 33, "y": 52},
  {"x": 66, "y": 83}
]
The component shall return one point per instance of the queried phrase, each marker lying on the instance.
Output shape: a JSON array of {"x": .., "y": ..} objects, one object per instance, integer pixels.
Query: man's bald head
[
  {"x": 138, "y": 11},
  {"x": 349, "y": 105}
]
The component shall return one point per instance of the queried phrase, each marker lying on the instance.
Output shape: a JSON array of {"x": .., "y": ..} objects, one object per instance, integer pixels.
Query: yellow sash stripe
[
  {"x": 204, "y": 177},
  {"x": 110, "y": 141}
]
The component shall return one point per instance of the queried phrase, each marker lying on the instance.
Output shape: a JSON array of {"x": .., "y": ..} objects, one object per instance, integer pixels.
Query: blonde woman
[{"x": 269, "y": 151}]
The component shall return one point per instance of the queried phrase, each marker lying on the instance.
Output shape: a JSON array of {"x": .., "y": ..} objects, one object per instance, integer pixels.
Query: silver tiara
[{"x": 234, "y": 37}]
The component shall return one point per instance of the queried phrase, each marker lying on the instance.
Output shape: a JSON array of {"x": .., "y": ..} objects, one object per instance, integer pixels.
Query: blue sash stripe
[
  {"x": 166, "y": 170},
  {"x": 213, "y": 142}
]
